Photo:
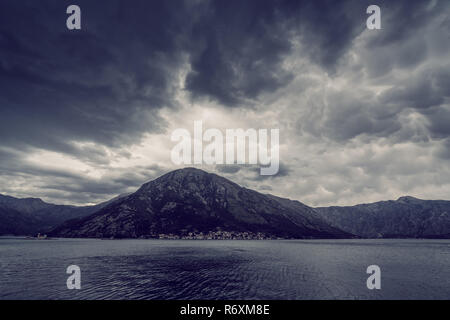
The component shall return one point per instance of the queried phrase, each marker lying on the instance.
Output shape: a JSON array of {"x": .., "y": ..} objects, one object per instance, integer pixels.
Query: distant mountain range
[
  {"x": 191, "y": 202},
  {"x": 32, "y": 215},
  {"x": 407, "y": 217}
]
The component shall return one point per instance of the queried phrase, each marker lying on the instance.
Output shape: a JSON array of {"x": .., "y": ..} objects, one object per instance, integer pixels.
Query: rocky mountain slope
[
  {"x": 406, "y": 217},
  {"x": 32, "y": 215},
  {"x": 192, "y": 201}
]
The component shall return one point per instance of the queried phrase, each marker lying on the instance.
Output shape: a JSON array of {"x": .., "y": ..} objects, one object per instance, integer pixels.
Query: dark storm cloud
[
  {"x": 402, "y": 42},
  {"x": 412, "y": 65},
  {"x": 107, "y": 82},
  {"x": 418, "y": 95},
  {"x": 104, "y": 83},
  {"x": 228, "y": 168},
  {"x": 237, "y": 51},
  {"x": 438, "y": 123},
  {"x": 402, "y": 19},
  {"x": 240, "y": 45}
]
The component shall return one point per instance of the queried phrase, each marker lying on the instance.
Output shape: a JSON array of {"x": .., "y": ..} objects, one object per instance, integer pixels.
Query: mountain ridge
[
  {"x": 406, "y": 217},
  {"x": 190, "y": 200},
  {"x": 28, "y": 216}
]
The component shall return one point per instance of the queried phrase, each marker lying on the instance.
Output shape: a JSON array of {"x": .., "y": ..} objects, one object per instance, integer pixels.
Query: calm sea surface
[{"x": 184, "y": 269}]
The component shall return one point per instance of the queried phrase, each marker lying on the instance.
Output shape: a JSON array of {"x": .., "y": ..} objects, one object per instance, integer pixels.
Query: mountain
[
  {"x": 15, "y": 222},
  {"x": 406, "y": 217},
  {"x": 192, "y": 201},
  {"x": 32, "y": 215}
]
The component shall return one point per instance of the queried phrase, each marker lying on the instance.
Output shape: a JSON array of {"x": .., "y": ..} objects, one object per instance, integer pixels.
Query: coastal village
[{"x": 219, "y": 235}]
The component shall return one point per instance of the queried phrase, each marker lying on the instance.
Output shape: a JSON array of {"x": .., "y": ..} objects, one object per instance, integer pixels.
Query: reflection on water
[{"x": 171, "y": 269}]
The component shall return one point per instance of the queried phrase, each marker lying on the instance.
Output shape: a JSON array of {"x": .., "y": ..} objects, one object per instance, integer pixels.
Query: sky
[{"x": 364, "y": 115}]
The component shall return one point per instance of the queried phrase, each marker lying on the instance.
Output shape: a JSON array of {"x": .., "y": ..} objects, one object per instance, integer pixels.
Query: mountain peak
[
  {"x": 189, "y": 171},
  {"x": 187, "y": 177},
  {"x": 190, "y": 201},
  {"x": 407, "y": 199}
]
